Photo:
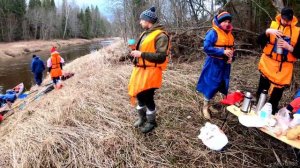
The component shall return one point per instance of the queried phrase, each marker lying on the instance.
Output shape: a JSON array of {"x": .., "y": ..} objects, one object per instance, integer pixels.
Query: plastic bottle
[
  {"x": 262, "y": 100},
  {"x": 266, "y": 112}
]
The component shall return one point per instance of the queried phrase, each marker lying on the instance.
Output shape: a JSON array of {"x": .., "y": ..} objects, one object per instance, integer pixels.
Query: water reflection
[{"x": 17, "y": 70}]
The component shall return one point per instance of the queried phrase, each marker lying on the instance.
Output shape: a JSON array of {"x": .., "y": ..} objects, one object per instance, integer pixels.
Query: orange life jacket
[
  {"x": 55, "y": 68},
  {"x": 276, "y": 67},
  {"x": 225, "y": 40},
  {"x": 145, "y": 74},
  {"x": 148, "y": 45}
]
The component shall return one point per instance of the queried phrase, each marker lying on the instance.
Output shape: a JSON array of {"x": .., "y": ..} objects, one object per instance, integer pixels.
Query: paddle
[{"x": 38, "y": 95}]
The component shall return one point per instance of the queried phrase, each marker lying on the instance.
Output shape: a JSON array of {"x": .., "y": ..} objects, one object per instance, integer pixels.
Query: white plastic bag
[
  {"x": 283, "y": 118},
  {"x": 213, "y": 137},
  {"x": 251, "y": 121},
  {"x": 283, "y": 121},
  {"x": 295, "y": 121}
]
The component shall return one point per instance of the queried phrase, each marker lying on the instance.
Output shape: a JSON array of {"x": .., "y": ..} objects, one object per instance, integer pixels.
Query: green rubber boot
[
  {"x": 150, "y": 123},
  {"x": 142, "y": 116}
]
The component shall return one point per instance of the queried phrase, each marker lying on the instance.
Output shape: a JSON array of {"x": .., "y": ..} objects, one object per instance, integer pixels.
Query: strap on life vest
[{"x": 143, "y": 59}]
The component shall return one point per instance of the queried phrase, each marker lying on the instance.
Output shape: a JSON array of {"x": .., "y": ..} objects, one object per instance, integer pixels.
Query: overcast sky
[
  {"x": 99, "y": 3},
  {"x": 102, "y": 5}
]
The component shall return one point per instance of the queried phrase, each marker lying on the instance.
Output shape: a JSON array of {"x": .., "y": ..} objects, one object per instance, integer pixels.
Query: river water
[{"x": 16, "y": 70}]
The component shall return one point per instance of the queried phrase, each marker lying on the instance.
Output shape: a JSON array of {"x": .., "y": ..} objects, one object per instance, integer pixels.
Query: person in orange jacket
[
  {"x": 150, "y": 59},
  {"x": 54, "y": 64},
  {"x": 281, "y": 44}
]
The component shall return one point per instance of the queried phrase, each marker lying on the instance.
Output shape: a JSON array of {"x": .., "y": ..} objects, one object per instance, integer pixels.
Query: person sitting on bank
[
  {"x": 37, "y": 68},
  {"x": 54, "y": 64},
  {"x": 7, "y": 99}
]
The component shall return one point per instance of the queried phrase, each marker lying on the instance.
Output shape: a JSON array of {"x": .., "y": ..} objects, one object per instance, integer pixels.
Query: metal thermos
[
  {"x": 262, "y": 100},
  {"x": 279, "y": 50},
  {"x": 246, "y": 107}
]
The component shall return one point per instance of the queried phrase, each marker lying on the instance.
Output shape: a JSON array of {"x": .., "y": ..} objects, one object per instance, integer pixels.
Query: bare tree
[{"x": 66, "y": 9}]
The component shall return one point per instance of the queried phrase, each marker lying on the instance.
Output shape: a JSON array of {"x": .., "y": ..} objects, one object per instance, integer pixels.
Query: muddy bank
[{"x": 15, "y": 49}]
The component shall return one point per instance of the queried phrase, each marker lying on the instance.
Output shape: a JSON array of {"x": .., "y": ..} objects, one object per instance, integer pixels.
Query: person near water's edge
[
  {"x": 54, "y": 64},
  {"x": 37, "y": 68},
  {"x": 215, "y": 75},
  {"x": 276, "y": 69},
  {"x": 150, "y": 59}
]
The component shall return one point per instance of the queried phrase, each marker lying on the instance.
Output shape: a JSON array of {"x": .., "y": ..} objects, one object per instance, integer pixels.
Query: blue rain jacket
[
  {"x": 215, "y": 73},
  {"x": 9, "y": 96},
  {"x": 37, "y": 65}
]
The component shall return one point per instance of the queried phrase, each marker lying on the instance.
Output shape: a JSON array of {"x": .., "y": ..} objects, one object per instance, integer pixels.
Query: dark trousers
[
  {"x": 146, "y": 98},
  {"x": 264, "y": 84},
  {"x": 38, "y": 77},
  {"x": 55, "y": 80}
]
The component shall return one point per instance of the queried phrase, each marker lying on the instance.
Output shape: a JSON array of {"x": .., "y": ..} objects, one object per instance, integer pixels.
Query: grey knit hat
[{"x": 149, "y": 15}]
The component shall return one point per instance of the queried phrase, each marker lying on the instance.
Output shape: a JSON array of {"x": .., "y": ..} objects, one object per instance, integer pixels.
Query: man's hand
[
  {"x": 283, "y": 44},
  {"x": 228, "y": 53},
  {"x": 275, "y": 32},
  {"x": 136, "y": 53}
]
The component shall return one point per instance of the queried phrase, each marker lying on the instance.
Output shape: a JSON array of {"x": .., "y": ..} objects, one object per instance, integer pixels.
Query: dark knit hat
[
  {"x": 149, "y": 15},
  {"x": 287, "y": 13},
  {"x": 224, "y": 16}
]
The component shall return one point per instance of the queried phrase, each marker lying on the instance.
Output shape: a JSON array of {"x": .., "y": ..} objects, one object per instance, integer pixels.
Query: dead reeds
[{"x": 88, "y": 122}]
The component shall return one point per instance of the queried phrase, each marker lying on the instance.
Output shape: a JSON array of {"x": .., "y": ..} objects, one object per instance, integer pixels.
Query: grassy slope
[{"x": 88, "y": 122}]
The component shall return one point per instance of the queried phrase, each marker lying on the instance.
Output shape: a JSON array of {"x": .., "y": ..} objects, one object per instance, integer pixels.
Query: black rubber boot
[
  {"x": 142, "y": 117},
  {"x": 150, "y": 124}
]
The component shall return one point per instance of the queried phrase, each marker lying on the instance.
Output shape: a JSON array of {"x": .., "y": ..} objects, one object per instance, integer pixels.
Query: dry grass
[{"x": 88, "y": 123}]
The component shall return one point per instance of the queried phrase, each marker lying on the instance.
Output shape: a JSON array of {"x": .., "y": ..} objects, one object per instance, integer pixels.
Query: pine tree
[
  {"x": 46, "y": 4},
  {"x": 97, "y": 26},
  {"x": 34, "y": 4},
  {"x": 19, "y": 10},
  {"x": 52, "y": 4},
  {"x": 80, "y": 17},
  {"x": 87, "y": 23}
]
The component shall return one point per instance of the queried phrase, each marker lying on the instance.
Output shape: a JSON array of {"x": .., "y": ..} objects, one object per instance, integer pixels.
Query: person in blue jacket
[
  {"x": 37, "y": 68},
  {"x": 218, "y": 46},
  {"x": 8, "y": 98}
]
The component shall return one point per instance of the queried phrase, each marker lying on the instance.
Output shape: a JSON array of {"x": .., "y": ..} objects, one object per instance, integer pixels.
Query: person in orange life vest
[
  {"x": 277, "y": 68},
  {"x": 150, "y": 59},
  {"x": 54, "y": 64},
  {"x": 215, "y": 75}
]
